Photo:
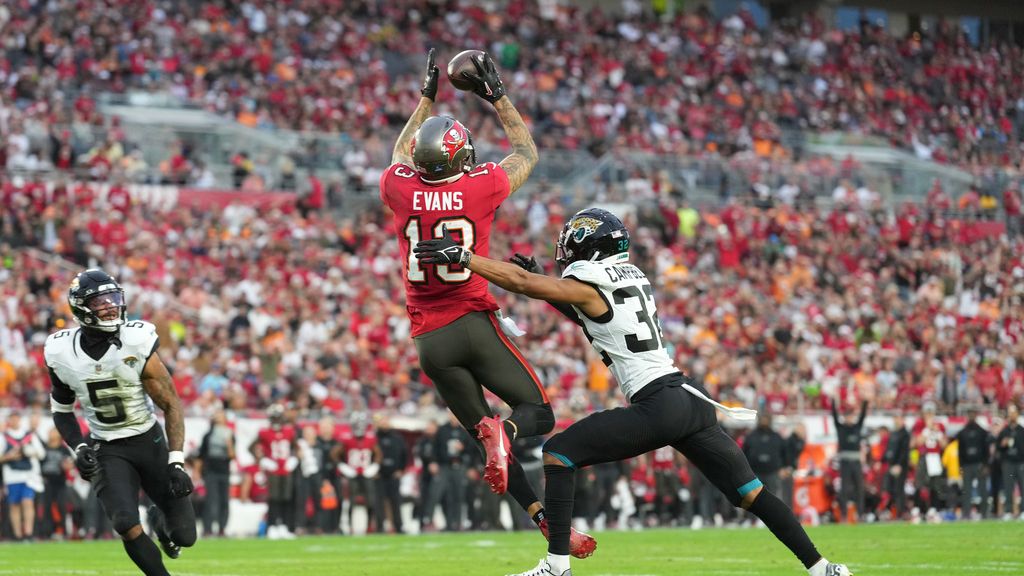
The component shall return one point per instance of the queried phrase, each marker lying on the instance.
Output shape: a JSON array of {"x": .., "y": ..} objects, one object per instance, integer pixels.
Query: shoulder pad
[
  {"x": 138, "y": 333},
  {"x": 56, "y": 342},
  {"x": 589, "y": 272}
]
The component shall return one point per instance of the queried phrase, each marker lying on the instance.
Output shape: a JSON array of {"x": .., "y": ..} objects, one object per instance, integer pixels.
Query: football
[{"x": 462, "y": 62}]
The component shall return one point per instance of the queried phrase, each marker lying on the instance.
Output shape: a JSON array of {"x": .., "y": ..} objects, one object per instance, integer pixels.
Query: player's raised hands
[
  {"x": 486, "y": 81},
  {"x": 429, "y": 89},
  {"x": 443, "y": 250}
]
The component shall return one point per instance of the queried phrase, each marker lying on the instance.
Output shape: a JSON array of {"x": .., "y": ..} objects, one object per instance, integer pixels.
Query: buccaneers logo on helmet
[{"x": 453, "y": 141}]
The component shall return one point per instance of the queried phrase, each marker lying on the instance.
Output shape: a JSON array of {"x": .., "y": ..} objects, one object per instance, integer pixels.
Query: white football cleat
[
  {"x": 543, "y": 569},
  {"x": 837, "y": 570}
]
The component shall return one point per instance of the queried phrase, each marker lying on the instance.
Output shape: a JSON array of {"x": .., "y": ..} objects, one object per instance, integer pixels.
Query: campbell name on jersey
[
  {"x": 628, "y": 336},
  {"x": 109, "y": 389}
]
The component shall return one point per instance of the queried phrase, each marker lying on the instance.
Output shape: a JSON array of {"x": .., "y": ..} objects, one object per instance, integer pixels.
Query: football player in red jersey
[
  {"x": 278, "y": 460},
  {"x": 359, "y": 465},
  {"x": 432, "y": 185}
]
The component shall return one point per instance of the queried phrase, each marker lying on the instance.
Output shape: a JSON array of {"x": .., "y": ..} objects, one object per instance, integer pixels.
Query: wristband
[
  {"x": 176, "y": 457},
  {"x": 79, "y": 446}
]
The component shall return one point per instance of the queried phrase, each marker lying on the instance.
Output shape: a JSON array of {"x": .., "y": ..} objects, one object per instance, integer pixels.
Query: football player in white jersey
[
  {"x": 112, "y": 368},
  {"x": 613, "y": 301}
]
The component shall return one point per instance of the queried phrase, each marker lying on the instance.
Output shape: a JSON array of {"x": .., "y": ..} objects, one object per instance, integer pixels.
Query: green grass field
[{"x": 894, "y": 550}]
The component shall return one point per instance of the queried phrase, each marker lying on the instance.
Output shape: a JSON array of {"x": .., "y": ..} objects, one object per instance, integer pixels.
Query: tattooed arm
[
  {"x": 402, "y": 153},
  {"x": 158, "y": 384},
  {"x": 523, "y": 158}
]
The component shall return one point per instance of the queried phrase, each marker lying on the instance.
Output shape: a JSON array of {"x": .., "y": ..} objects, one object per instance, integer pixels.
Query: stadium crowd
[
  {"x": 773, "y": 303},
  {"x": 354, "y": 70},
  {"x": 775, "y": 306}
]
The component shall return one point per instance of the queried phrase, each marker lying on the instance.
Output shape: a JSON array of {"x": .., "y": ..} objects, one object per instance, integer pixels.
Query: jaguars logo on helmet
[
  {"x": 92, "y": 294},
  {"x": 591, "y": 234}
]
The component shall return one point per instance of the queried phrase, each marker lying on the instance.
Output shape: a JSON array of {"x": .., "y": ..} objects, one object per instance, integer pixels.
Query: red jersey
[
  {"x": 277, "y": 445},
  {"x": 258, "y": 490},
  {"x": 359, "y": 450},
  {"x": 438, "y": 295},
  {"x": 664, "y": 459}
]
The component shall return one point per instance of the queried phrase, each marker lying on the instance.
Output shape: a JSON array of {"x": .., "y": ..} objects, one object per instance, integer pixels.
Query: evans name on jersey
[
  {"x": 628, "y": 338},
  {"x": 110, "y": 389}
]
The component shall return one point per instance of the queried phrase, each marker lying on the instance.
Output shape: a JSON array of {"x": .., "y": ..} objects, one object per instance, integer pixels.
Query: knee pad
[
  {"x": 124, "y": 521},
  {"x": 533, "y": 419}
]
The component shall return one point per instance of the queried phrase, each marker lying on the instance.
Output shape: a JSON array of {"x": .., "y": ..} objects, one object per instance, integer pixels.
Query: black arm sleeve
[
  {"x": 67, "y": 424},
  {"x": 568, "y": 311},
  {"x": 835, "y": 414},
  {"x": 60, "y": 391},
  {"x": 863, "y": 414}
]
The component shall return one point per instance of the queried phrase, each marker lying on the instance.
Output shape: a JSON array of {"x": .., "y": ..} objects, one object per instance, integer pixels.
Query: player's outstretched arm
[
  {"x": 401, "y": 153},
  {"x": 529, "y": 263},
  {"x": 446, "y": 250},
  {"x": 487, "y": 84}
]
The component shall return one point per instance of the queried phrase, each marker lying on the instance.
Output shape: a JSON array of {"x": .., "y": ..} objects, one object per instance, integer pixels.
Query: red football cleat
[
  {"x": 580, "y": 545},
  {"x": 491, "y": 432}
]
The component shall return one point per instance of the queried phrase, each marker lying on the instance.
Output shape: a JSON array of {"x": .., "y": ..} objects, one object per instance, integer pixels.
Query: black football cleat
[{"x": 158, "y": 526}]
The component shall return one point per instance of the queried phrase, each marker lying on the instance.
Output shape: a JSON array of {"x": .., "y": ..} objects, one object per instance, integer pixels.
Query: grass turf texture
[{"x": 895, "y": 550}]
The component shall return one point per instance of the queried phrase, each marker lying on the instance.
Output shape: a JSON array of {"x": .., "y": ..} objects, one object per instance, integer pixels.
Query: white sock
[
  {"x": 559, "y": 564},
  {"x": 819, "y": 568}
]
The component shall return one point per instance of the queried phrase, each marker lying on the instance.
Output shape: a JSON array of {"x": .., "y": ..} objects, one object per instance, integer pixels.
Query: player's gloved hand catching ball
[
  {"x": 86, "y": 461},
  {"x": 486, "y": 81},
  {"x": 528, "y": 263},
  {"x": 181, "y": 483},
  {"x": 443, "y": 250},
  {"x": 429, "y": 89}
]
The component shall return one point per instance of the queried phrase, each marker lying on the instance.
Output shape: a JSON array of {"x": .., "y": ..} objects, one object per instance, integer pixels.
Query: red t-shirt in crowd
[{"x": 438, "y": 295}]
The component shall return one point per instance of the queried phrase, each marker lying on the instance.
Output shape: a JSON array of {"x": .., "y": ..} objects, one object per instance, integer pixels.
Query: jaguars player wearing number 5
[
  {"x": 434, "y": 184},
  {"x": 613, "y": 301},
  {"x": 112, "y": 368}
]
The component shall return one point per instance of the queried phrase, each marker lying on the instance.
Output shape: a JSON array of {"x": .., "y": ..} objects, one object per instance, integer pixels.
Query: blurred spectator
[
  {"x": 975, "y": 447},
  {"x": 448, "y": 487},
  {"x": 765, "y": 449},
  {"x": 1010, "y": 444},
  {"x": 54, "y": 467},
  {"x": 20, "y": 452},
  {"x": 393, "y": 457},
  {"x": 425, "y": 451},
  {"x": 897, "y": 458},
  {"x": 216, "y": 451},
  {"x": 795, "y": 443},
  {"x": 930, "y": 439},
  {"x": 850, "y": 432}
]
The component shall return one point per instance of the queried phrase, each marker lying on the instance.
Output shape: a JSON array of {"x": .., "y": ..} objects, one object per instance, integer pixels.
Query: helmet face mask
[
  {"x": 592, "y": 234},
  {"x": 97, "y": 301},
  {"x": 442, "y": 149}
]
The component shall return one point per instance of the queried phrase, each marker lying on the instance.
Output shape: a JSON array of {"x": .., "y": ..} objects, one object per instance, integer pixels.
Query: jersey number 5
[
  {"x": 109, "y": 409},
  {"x": 415, "y": 273}
]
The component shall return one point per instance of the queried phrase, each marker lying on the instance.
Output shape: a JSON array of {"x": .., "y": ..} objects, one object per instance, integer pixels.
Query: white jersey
[
  {"x": 109, "y": 389},
  {"x": 628, "y": 336}
]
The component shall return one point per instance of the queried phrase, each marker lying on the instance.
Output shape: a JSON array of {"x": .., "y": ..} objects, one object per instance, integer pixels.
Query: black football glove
[
  {"x": 444, "y": 250},
  {"x": 181, "y": 484},
  {"x": 486, "y": 82},
  {"x": 527, "y": 263},
  {"x": 429, "y": 89},
  {"x": 86, "y": 461}
]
